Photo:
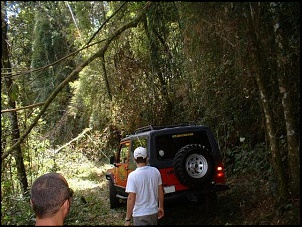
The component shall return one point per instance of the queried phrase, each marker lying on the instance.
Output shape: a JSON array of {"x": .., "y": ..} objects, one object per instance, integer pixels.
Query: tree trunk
[
  {"x": 6, "y": 65},
  {"x": 292, "y": 140},
  {"x": 271, "y": 132},
  {"x": 285, "y": 69},
  {"x": 258, "y": 67}
]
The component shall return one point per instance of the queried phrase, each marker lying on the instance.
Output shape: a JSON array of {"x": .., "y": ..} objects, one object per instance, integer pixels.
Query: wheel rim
[{"x": 196, "y": 165}]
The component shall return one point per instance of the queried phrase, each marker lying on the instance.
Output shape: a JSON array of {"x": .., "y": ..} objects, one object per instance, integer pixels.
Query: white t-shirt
[{"x": 144, "y": 181}]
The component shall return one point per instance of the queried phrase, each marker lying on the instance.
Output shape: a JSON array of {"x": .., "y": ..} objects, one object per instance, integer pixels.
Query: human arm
[
  {"x": 130, "y": 206},
  {"x": 160, "y": 201}
]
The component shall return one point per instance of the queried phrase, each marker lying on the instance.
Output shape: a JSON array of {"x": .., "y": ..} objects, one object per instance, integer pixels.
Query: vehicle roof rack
[
  {"x": 143, "y": 129},
  {"x": 150, "y": 127}
]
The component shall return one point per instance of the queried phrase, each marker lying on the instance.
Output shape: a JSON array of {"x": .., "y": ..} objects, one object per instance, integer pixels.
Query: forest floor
[
  {"x": 241, "y": 205},
  {"x": 249, "y": 201}
]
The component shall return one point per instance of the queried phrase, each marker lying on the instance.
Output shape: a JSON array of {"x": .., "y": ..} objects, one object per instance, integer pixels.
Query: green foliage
[
  {"x": 89, "y": 102},
  {"x": 5, "y": 131},
  {"x": 17, "y": 210},
  {"x": 186, "y": 61},
  {"x": 82, "y": 163},
  {"x": 14, "y": 93},
  {"x": 245, "y": 159}
]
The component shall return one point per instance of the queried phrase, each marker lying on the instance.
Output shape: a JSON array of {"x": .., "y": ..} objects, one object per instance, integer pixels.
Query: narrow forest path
[
  {"x": 91, "y": 205},
  {"x": 248, "y": 202}
]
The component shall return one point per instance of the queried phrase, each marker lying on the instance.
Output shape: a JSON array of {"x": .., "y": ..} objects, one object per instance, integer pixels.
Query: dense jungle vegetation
[{"x": 77, "y": 76}]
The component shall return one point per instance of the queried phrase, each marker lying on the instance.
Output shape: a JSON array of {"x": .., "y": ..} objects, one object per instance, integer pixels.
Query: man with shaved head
[{"x": 50, "y": 199}]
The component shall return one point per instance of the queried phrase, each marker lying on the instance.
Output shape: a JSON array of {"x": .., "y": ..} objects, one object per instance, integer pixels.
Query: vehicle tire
[
  {"x": 194, "y": 166},
  {"x": 114, "y": 201}
]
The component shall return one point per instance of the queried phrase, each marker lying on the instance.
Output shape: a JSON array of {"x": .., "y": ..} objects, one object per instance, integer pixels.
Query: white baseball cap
[{"x": 140, "y": 152}]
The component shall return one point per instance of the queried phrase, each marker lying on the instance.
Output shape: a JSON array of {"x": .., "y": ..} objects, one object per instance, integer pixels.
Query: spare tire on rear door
[{"x": 194, "y": 165}]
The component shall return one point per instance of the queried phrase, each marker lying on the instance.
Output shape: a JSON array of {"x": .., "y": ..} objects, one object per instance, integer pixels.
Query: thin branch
[
  {"x": 54, "y": 63},
  {"x": 105, "y": 23},
  {"x": 73, "y": 18},
  {"x": 22, "y": 108}
]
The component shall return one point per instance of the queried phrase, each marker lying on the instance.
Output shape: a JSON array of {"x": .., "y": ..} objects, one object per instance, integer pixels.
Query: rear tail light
[{"x": 219, "y": 173}]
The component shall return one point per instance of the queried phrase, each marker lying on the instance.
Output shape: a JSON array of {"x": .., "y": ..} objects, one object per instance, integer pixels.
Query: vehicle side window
[{"x": 124, "y": 152}]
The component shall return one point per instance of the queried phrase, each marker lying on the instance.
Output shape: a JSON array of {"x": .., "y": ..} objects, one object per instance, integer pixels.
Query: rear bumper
[{"x": 197, "y": 192}]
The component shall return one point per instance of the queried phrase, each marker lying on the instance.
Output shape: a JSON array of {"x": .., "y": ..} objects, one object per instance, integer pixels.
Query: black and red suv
[{"x": 187, "y": 156}]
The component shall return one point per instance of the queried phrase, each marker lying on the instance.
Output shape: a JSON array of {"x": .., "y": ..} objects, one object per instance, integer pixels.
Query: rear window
[{"x": 168, "y": 145}]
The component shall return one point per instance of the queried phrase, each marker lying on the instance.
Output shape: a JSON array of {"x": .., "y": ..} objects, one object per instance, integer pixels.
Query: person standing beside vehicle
[{"x": 145, "y": 201}]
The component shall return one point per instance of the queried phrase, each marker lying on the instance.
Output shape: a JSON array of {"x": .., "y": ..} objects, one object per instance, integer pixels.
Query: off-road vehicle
[{"x": 187, "y": 156}]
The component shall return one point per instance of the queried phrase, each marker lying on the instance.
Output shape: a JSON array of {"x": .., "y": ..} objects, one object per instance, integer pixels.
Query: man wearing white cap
[{"x": 145, "y": 201}]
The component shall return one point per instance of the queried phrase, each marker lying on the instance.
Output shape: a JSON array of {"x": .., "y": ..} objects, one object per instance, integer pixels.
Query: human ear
[
  {"x": 66, "y": 206},
  {"x": 66, "y": 203}
]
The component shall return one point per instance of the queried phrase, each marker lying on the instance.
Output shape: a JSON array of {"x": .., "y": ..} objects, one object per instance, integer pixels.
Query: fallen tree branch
[{"x": 75, "y": 139}]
